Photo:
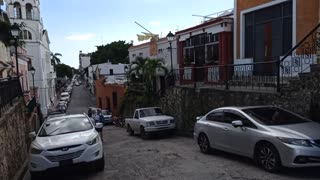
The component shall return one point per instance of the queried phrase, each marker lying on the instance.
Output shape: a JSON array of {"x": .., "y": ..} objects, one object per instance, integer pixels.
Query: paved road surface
[
  {"x": 81, "y": 99},
  {"x": 130, "y": 157}
]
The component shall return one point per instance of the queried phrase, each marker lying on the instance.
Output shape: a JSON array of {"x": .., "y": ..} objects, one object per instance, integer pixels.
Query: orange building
[
  {"x": 108, "y": 96},
  {"x": 267, "y": 29}
]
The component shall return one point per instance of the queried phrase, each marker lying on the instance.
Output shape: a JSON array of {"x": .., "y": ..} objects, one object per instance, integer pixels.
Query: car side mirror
[
  {"x": 32, "y": 135},
  {"x": 99, "y": 126},
  {"x": 237, "y": 123},
  {"x": 198, "y": 118}
]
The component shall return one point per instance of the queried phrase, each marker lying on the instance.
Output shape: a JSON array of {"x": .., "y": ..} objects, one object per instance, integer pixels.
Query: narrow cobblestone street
[{"x": 130, "y": 157}]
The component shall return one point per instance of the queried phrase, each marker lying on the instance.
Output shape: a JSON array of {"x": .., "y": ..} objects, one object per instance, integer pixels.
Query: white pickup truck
[{"x": 149, "y": 120}]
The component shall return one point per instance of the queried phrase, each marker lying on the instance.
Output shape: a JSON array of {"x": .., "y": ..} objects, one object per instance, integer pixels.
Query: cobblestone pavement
[{"x": 130, "y": 157}]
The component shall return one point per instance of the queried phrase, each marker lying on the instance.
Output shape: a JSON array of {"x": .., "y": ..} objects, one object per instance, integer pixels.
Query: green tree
[
  {"x": 63, "y": 70},
  {"x": 116, "y": 52},
  {"x": 55, "y": 59},
  {"x": 146, "y": 69}
]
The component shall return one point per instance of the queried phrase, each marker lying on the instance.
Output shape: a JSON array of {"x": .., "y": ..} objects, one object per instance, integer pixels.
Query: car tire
[
  {"x": 268, "y": 158},
  {"x": 99, "y": 166},
  {"x": 129, "y": 130},
  {"x": 143, "y": 133},
  {"x": 204, "y": 144}
]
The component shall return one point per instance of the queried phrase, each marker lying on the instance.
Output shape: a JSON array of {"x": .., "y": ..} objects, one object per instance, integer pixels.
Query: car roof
[
  {"x": 242, "y": 107},
  {"x": 148, "y": 108},
  {"x": 64, "y": 116}
]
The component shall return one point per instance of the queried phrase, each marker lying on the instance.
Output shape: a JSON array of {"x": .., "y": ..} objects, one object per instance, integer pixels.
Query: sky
[{"x": 79, "y": 25}]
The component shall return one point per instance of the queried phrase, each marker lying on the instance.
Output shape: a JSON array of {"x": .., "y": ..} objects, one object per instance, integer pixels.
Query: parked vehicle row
[{"x": 104, "y": 116}]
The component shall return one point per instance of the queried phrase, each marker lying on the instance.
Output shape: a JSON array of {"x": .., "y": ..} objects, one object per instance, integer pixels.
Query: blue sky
[{"x": 76, "y": 25}]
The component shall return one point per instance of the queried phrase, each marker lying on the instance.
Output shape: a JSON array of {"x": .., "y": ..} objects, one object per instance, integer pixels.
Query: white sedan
[{"x": 65, "y": 141}]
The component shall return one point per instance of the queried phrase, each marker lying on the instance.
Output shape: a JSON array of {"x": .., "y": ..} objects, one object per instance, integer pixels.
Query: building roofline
[{"x": 205, "y": 24}]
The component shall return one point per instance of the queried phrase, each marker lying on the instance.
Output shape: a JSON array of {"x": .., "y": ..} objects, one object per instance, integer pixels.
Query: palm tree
[
  {"x": 55, "y": 59},
  {"x": 147, "y": 69}
]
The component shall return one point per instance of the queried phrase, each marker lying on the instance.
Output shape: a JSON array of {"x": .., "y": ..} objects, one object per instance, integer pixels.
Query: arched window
[
  {"x": 17, "y": 10},
  {"x": 29, "y": 11},
  {"x": 26, "y": 35}
]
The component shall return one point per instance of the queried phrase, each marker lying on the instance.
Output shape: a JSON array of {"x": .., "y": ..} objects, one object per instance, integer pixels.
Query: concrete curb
[{"x": 22, "y": 171}]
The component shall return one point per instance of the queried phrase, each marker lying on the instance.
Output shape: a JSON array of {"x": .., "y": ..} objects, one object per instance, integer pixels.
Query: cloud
[
  {"x": 80, "y": 37},
  {"x": 154, "y": 23}
]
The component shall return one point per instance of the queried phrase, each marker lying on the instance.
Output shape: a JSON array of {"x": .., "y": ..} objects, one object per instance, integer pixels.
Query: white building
[
  {"x": 112, "y": 71},
  {"x": 37, "y": 45},
  {"x": 160, "y": 50},
  {"x": 84, "y": 60}
]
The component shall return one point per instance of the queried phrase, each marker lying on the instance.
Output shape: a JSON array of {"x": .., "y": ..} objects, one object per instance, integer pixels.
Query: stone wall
[
  {"x": 185, "y": 104},
  {"x": 15, "y": 124}
]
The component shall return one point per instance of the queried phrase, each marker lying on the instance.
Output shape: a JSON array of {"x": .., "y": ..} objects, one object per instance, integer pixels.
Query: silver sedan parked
[{"x": 272, "y": 136}]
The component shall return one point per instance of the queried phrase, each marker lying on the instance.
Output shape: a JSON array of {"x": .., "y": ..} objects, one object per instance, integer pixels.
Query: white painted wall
[
  {"x": 85, "y": 61},
  {"x": 38, "y": 50},
  {"x": 163, "y": 52}
]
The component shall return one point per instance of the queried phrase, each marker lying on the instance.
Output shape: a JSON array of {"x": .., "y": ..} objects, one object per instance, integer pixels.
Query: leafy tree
[
  {"x": 6, "y": 36},
  {"x": 116, "y": 52},
  {"x": 63, "y": 70},
  {"x": 146, "y": 69},
  {"x": 55, "y": 59}
]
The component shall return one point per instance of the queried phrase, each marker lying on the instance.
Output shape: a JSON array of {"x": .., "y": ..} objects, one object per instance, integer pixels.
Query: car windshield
[
  {"x": 274, "y": 116},
  {"x": 65, "y": 126},
  {"x": 105, "y": 112},
  {"x": 151, "y": 112},
  {"x": 64, "y": 95}
]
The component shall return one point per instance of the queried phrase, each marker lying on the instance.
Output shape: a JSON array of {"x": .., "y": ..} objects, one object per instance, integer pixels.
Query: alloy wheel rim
[
  {"x": 203, "y": 143},
  {"x": 267, "y": 158}
]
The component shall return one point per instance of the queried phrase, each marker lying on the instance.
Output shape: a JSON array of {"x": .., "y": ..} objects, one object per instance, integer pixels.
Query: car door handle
[{"x": 226, "y": 129}]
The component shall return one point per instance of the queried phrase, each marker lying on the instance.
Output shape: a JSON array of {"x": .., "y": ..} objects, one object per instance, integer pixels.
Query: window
[
  {"x": 29, "y": 11},
  {"x": 134, "y": 55},
  {"x": 212, "y": 53},
  {"x": 140, "y": 54},
  {"x": 17, "y": 10},
  {"x": 115, "y": 99},
  {"x": 111, "y": 71},
  {"x": 215, "y": 116},
  {"x": 268, "y": 29},
  {"x": 26, "y": 35},
  {"x": 136, "y": 115},
  {"x": 274, "y": 116}
]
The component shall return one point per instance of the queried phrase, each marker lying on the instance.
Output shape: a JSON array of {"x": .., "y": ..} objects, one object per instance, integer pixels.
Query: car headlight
[
  {"x": 150, "y": 123},
  {"x": 93, "y": 140},
  {"x": 297, "y": 142},
  {"x": 35, "y": 150}
]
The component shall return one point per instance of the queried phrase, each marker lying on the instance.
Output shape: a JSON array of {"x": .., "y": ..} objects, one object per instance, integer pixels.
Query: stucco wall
[{"x": 14, "y": 141}]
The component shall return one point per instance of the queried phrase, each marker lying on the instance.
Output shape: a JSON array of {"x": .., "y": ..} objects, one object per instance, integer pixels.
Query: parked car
[
  {"x": 66, "y": 141},
  {"x": 149, "y": 120},
  {"x": 107, "y": 116},
  {"x": 65, "y": 97},
  {"x": 272, "y": 136}
]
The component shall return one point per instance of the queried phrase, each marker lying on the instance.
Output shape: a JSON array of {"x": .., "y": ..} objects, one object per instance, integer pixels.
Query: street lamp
[
  {"x": 33, "y": 71},
  {"x": 171, "y": 37},
  {"x": 15, "y": 32}
]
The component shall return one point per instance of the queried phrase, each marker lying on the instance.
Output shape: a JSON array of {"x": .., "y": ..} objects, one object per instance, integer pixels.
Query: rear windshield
[
  {"x": 274, "y": 116},
  {"x": 65, "y": 126},
  {"x": 151, "y": 112},
  {"x": 105, "y": 112}
]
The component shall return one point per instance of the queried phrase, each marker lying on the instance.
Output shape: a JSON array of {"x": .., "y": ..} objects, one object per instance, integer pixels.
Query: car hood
[
  {"x": 156, "y": 118},
  {"x": 50, "y": 142},
  {"x": 309, "y": 130}
]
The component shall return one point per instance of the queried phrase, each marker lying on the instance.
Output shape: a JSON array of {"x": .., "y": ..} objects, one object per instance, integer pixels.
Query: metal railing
[
  {"x": 254, "y": 76},
  {"x": 10, "y": 89},
  {"x": 31, "y": 105}
]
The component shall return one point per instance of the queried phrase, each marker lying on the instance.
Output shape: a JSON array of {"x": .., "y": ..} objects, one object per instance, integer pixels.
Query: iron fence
[
  {"x": 10, "y": 89},
  {"x": 31, "y": 105}
]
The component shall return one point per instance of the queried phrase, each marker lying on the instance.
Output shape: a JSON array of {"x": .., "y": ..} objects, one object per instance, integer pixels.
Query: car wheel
[
  {"x": 129, "y": 130},
  {"x": 100, "y": 164},
  {"x": 143, "y": 133},
  {"x": 204, "y": 143},
  {"x": 268, "y": 157}
]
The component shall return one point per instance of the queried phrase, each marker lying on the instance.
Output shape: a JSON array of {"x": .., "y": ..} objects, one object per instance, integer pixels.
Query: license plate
[{"x": 66, "y": 162}]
